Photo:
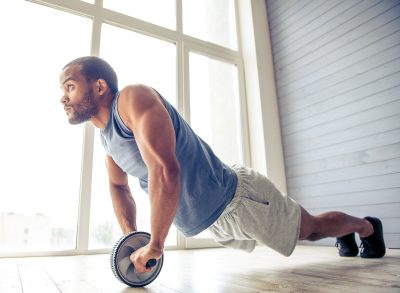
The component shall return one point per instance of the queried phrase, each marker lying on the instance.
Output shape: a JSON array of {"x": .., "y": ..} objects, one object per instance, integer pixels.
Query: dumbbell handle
[{"x": 151, "y": 263}]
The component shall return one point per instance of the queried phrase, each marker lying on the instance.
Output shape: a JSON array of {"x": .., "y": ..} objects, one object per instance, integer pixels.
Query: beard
[{"x": 84, "y": 110}]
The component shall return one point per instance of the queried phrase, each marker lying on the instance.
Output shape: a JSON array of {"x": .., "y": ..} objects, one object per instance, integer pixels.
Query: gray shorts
[{"x": 258, "y": 213}]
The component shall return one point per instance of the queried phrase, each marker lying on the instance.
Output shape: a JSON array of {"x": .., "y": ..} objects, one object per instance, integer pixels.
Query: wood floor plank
[
  {"x": 9, "y": 277},
  {"x": 91, "y": 274},
  {"x": 309, "y": 269},
  {"x": 34, "y": 279},
  {"x": 69, "y": 275}
]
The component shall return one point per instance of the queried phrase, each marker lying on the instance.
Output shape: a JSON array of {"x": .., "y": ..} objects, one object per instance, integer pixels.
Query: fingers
[
  {"x": 139, "y": 266},
  {"x": 139, "y": 261}
]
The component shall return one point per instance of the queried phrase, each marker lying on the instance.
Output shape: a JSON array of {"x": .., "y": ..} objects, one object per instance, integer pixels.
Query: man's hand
[{"x": 141, "y": 256}]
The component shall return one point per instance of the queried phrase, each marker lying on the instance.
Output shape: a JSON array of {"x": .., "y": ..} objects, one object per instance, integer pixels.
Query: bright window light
[
  {"x": 41, "y": 152},
  {"x": 159, "y": 12},
  {"x": 214, "y": 111},
  {"x": 210, "y": 20}
]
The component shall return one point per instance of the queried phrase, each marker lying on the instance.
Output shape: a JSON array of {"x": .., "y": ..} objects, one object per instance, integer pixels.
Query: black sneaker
[
  {"x": 347, "y": 245},
  {"x": 373, "y": 246}
]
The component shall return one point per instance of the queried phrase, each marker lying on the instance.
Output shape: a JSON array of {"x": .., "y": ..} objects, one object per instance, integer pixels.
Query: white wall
[{"x": 337, "y": 68}]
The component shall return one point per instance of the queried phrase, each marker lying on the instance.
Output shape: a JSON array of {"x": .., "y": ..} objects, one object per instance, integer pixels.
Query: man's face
[{"x": 78, "y": 98}]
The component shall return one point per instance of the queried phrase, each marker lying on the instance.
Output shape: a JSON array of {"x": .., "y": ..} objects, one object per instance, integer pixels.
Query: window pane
[
  {"x": 140, "y": 59},
  {"x": 143, "y": 60},
  {"x": 41, "y": 151},
  {"x": 214, "y": 111},
  {"x": 159, "y": 12},
  {"x": 214, "y": 108},
  {"x": 210, "y": 20}
]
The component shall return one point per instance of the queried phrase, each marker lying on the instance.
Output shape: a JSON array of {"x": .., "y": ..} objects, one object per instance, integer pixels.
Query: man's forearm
[
  {"x": 164, "y": 191},
  {"x": 124, "y": 207}
]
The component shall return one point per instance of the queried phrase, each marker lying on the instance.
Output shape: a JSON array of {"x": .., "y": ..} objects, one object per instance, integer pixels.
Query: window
[
  {"x": 159, "y": 12},
  {"x": 186, "y": 50},
  {"x": 212, "y": 21},
  {"x": 214, "y": 106},
  {"x": 141, "y": 59},
  {"x": 41, "y": 154}
]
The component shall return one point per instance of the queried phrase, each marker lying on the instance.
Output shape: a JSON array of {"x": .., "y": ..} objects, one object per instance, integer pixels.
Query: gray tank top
[{"x": 207, "y": 184}]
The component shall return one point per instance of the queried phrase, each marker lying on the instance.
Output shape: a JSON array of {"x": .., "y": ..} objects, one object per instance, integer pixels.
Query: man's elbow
[
  {"x": 173, "y": 172},
  {"x": 174, "y": 169},
  {"x": 171, "y": 177}
]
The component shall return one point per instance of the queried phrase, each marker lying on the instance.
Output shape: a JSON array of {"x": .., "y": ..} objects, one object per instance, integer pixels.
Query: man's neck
[{"x": 103, "y": 115}]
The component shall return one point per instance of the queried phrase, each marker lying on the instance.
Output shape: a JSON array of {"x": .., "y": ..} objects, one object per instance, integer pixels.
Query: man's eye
[{"x": 70, "y": 87}]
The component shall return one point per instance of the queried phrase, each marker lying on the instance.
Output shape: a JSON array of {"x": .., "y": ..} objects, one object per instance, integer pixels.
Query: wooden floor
[{"x": 309, "y": 269}]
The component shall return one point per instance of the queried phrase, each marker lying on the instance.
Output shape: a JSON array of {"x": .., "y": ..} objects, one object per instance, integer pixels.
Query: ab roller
[{"x": 122, "y": 266}]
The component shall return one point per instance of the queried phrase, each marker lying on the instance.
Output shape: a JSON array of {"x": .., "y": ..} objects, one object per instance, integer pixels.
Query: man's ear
[{"x": 101, "y": 86}]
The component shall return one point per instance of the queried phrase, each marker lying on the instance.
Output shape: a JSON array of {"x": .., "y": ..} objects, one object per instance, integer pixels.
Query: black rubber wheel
[{"x": 123, "y": 268}]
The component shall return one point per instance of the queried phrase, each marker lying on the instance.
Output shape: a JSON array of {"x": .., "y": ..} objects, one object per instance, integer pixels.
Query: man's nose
[{"x": 64, "y": 99}]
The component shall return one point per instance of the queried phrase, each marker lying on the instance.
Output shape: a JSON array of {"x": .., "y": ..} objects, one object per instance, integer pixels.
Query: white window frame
[{"x": 259, "y": 121}]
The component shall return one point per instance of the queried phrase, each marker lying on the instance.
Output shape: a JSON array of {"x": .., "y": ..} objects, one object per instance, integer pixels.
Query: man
[{"x": 144, "y": 136}]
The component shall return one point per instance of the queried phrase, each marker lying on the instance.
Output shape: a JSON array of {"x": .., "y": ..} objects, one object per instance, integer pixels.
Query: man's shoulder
[
  {"x": 136, "y": 88},
  {"x": 136, "y": 96}
]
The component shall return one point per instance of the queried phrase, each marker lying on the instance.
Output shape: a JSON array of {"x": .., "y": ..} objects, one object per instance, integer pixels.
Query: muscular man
[{"x": 144, "y": 136}]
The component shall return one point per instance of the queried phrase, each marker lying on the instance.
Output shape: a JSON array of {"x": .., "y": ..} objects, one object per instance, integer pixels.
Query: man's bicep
[
  {"x": 116, "y": 175},
  {"x": 146, "y": 115}
]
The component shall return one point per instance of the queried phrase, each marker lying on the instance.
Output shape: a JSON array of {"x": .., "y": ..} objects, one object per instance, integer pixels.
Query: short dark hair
[{"x": 94, "y": 68}]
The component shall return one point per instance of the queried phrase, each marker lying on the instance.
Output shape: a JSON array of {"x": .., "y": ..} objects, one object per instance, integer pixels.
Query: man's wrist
[
  {"x": 156, "y": 245},
  {"x": 129, "y": 229}
]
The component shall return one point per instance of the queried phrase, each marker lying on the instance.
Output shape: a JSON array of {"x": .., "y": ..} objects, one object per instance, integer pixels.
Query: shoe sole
[{"x": 348, "y": 254}]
